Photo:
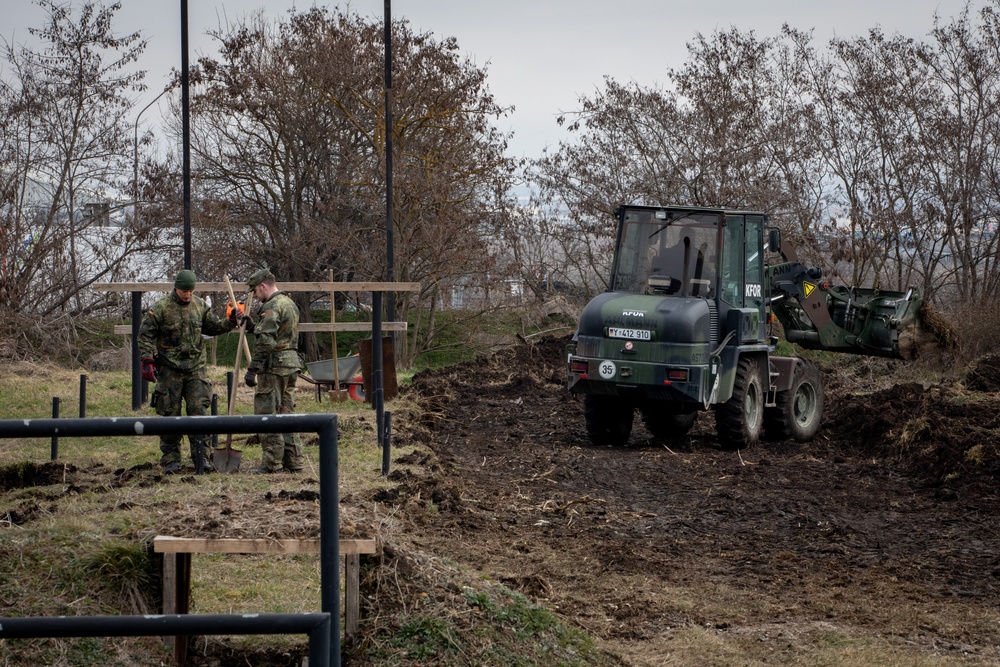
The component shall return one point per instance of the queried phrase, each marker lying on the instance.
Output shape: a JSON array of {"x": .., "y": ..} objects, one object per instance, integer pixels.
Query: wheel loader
[{"x": 687, "y": 325}]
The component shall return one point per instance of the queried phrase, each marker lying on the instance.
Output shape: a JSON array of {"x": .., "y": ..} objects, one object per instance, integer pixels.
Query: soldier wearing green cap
[
  {"x": 172, "y": 347},
  {"x": 274, "y": 370}
]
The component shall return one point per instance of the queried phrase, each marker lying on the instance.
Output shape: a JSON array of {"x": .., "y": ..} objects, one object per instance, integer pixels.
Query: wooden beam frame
[{"x": 177, "y": 552}]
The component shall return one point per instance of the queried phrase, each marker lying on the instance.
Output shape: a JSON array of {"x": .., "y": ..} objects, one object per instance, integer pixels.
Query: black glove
[
  {"x": 148, "y": 370},
  {"x": 250, "y": 378},
  {"x": 247, "y": 322}
]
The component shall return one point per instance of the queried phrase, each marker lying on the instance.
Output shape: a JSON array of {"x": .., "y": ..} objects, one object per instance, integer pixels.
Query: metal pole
[
  {"x": 316, "y": 625},
  {"x": 186, "y": 133},
  {"x": 199, "y": 456},
  {"x": 323, "y": 424},
  {"x": 215, "y": 411},
  {"x": 329, "y": 533},
  {"x": 83, "y": 396},
  {"x": 377, "y": 395},
  {"x": 55, "y": 438},
  {"x": 389, "y": 255},
  {"x": 138, "y": 395},
  {"x": 386, "y": 446}
]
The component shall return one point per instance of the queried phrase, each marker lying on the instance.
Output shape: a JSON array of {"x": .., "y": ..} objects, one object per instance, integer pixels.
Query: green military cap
[
  {"x": 185, "y": 280},
  {"x": 258, "y": 277}
]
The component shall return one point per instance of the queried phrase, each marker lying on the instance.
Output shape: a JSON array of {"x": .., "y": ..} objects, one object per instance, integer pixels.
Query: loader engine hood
[{"x": 644, "y": 318}]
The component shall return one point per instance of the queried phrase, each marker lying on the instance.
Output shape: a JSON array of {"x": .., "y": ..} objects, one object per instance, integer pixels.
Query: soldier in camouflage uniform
[
  {"x": 172, "y": 347},
  {"x": 276, "y": 361}
]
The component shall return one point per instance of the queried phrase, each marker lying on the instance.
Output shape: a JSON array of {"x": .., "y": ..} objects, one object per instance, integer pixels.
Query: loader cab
[
  {"x": 700, "y": 253},
  {"x": 743, "y": 294},
  {"x": 667, "y": 252}
]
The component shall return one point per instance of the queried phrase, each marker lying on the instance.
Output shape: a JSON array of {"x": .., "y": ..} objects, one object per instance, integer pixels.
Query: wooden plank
[
  {"x": 169, "y": 589},
  {"x": 352, "y": 594},
  {"x": 181, "y": 642},
  {"x": 283, "y": 286},
  {"x": 308, "y": 327},
  {"x": 305, "y": 327},
  {"x": 212, "y": 545}
]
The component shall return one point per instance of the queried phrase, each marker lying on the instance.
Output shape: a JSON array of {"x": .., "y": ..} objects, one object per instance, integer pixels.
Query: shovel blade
[
  {"x": 227, "y": 459},
  {"x": 338, "y": 396}
]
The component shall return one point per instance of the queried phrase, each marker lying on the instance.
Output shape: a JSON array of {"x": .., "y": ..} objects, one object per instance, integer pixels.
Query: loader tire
[
  {"x": 609, "y": 419},
  {"x": 739, "y": 421},
  {"x": 664, "y": 421},
  {"x": 797, "y": 412}
]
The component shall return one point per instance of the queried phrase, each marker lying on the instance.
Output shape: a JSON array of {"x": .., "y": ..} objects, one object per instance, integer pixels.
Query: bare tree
[
  {"x": 729, "y": 129},
  {"x": 64, "y": 111},
  {"x": 290, "y": 148}
]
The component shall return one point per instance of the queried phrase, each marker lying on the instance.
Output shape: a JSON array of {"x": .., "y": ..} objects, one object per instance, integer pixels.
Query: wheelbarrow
[{"x": 321, "y": 374}]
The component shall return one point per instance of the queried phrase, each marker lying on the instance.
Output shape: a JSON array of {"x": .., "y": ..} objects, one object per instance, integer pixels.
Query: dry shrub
[{"x": 976, "y": 327}]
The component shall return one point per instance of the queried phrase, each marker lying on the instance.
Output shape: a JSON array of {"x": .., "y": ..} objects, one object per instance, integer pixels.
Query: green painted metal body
[{"x": 690, "y": 294}]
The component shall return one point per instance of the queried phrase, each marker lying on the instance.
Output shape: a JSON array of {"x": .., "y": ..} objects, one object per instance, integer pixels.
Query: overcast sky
[{"x": 542, "y": 55}]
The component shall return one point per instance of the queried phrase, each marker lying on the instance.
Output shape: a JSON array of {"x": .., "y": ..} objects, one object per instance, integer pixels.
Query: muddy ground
[{"x": 884, "y": 527}]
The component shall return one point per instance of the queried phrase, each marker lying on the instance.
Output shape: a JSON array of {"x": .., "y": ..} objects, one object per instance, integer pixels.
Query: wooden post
[
  {"x": 177, "y": 553},
  {"x": 352, "y": 594}
]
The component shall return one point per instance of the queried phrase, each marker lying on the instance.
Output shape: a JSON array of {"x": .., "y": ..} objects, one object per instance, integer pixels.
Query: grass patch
[{"x": 75, "y": 533}]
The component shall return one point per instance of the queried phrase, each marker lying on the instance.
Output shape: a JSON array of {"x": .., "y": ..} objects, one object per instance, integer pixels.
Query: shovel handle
[
  {"x": 239, "y": 348},
  {"x": 243, "y": 342}
]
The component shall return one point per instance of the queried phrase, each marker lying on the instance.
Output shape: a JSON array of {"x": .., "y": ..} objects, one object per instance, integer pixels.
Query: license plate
[{"x": 632, "y": 334}]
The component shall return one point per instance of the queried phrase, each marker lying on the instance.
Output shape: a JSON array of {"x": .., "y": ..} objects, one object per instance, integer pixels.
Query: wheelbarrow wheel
[{"x": 357, "y": 389}]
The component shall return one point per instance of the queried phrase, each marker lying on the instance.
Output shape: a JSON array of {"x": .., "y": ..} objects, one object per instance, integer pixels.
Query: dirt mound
[
  {"x": 985, "y": 375},
  {"x": 28, "y": 474},
  {"x": 939, "y": 435},
  {"x": 883, "y": 515}
]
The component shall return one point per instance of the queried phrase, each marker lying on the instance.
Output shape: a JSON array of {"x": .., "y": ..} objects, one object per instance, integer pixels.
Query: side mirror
[{"x": 774, "y": 239}]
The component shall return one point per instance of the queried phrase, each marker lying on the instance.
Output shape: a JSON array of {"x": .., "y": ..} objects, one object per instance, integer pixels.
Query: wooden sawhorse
[{"x": 177, "y": 571}]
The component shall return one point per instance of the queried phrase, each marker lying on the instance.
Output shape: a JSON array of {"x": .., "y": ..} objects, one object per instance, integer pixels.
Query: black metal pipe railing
[
  {"x": 316, "y": 625},
  {"x": 54, "y": 449},
  {"x": 138, "y": 395},
  {"x": 83, "y": 396},
  {"x": 324, "y": 425}
]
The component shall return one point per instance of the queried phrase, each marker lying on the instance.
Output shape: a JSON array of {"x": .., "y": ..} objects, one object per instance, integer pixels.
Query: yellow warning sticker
[{"x": 808, "y": 288}]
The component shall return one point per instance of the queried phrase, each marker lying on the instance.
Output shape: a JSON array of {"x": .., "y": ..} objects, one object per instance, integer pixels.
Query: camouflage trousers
[
  {"x": 275, "y": 394},
  {"x": 193, "y": 389}
]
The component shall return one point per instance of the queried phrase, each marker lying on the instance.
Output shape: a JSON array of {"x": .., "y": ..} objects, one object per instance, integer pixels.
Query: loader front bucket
[
  {"x": 871, "y": 322},
  {"x": 885, "y": 323}
]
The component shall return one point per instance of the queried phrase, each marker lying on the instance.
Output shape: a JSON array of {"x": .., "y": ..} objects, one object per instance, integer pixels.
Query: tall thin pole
[
  {"x": 186, "y": 133},
  {"x": 377, "y": 379},
  {"x": 389, "y": 259}
]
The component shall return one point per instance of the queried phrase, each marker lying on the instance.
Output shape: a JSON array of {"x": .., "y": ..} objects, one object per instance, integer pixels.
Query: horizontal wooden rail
[
  {"x": 310, "y": 327},
  {"x": 215, "y": 545},
  {"x": 283, "y": 286}
]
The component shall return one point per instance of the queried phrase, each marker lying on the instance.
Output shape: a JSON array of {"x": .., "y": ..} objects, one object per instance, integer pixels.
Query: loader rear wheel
[
  {"x": 797, "y": 412},
  {"x": 664, "y": 421},
  {"x": 609, "y": 419},
  {"x": 739, "y": 421}
]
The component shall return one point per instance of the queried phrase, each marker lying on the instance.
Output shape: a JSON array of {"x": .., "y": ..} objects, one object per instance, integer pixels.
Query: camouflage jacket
[
  {"x": 277, "y": 336},
  {"x": 171, "y": 332}
]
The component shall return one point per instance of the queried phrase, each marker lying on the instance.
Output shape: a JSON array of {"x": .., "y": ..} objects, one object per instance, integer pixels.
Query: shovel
[{"x": 227, "y": 459}]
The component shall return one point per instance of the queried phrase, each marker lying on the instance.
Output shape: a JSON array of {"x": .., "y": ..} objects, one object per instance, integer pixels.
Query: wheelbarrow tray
[{"x": 347, "y": 368}]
